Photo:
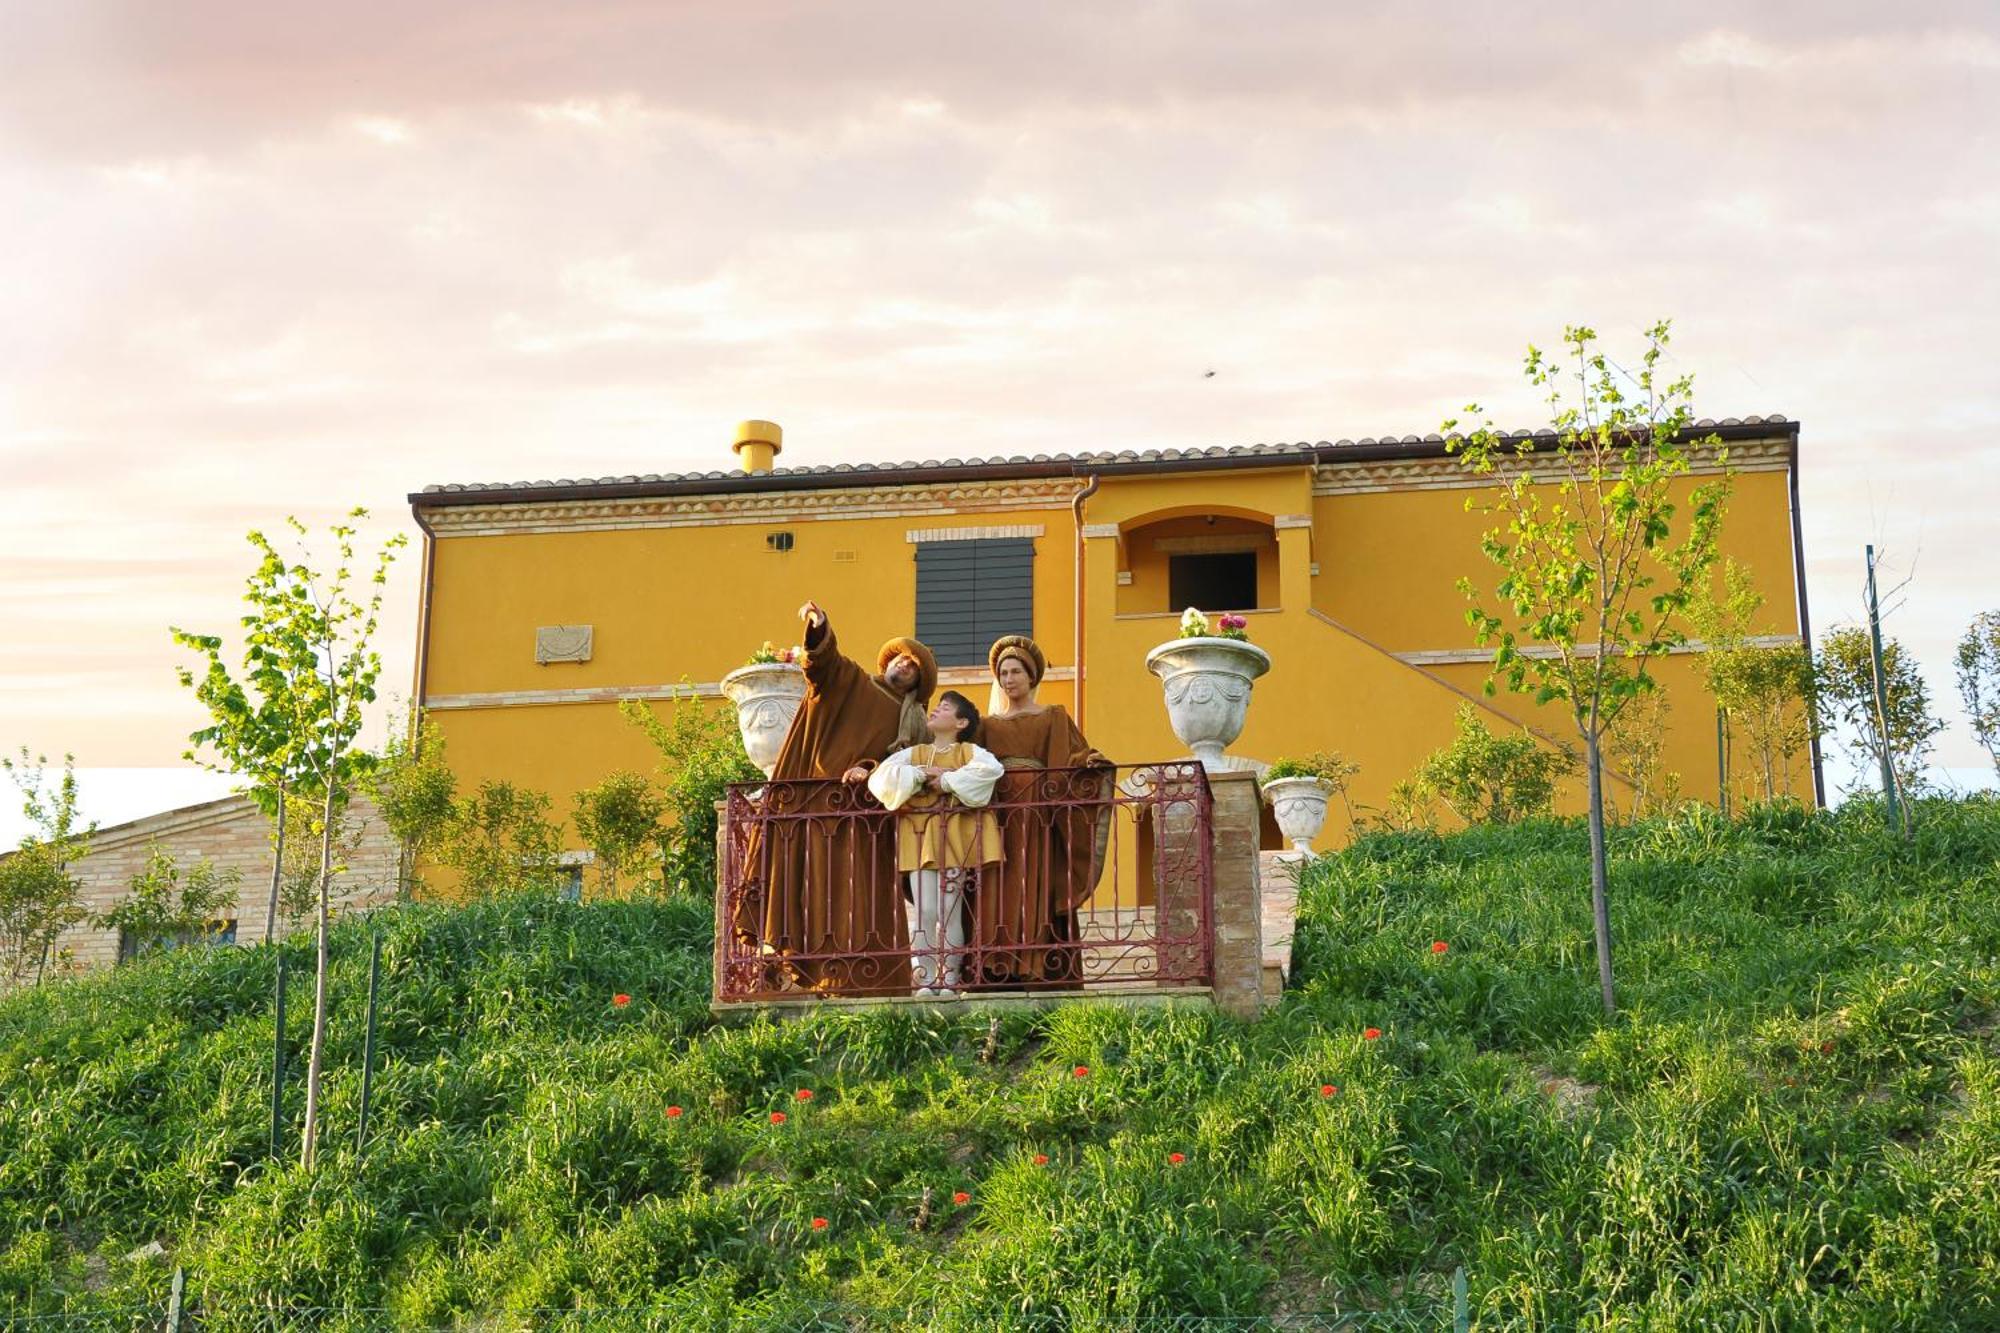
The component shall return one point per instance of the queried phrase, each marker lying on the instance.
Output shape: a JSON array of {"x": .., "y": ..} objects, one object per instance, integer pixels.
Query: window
[
  {"x": 969, "y": 593},
  {"x": 1220, "y": 582},
  {"x": 569, "y": 883},
  {"x": 132, "y": 946}
]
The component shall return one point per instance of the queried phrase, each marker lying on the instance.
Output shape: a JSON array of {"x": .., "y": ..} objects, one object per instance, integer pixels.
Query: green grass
[{"x": 1793, "y": 1123}]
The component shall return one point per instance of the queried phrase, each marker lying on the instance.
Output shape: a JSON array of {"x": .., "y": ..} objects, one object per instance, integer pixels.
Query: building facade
[
  {"x": 233, "y": 835},
  {"x": 547, "y": 603}
]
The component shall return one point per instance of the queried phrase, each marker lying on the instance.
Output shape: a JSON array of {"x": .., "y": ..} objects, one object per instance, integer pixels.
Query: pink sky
[{"x": 262, "y": 259}]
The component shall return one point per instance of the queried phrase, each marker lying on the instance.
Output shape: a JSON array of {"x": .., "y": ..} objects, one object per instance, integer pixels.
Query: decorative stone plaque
[{"x": 562, "y": 643}]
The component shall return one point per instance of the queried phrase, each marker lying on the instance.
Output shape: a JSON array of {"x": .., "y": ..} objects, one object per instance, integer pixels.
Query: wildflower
[
  {"x": 803, "y": 1095},
  {"x": 819, "y": 1224},
  {"x": 1826, "y": 1048},
  {"x": 1439, "y": 946},
  {"x": 777, "y": 1117},
  {"x": 674, "y": 1113},
  {"x": 1370, "y": 1034},
  {"x": 961, "y": 1197},
  {"x": 1041, "y": 1159},
  {"x": 1081, "y": 1071},
  {"x": 620, "y": 1000},
  {"x": 1176, "y": 1158},
  {"x": 1329, "y": 1089}
]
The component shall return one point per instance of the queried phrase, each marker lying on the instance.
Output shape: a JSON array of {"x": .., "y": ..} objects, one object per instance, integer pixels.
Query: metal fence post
[
  {"x": 278, "y": 1058},
  {"x": 368, "y": 1042}
]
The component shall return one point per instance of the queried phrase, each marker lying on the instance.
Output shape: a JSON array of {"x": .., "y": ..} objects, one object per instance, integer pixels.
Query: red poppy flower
[
  {"x": 1176, "y": 1158},
  {"x": 674, "y": 1113},
  {"x": 1826, "y": 1048},
  {"x": 961, "y": 1197},
  {"x": 620, "y": 1000},
  {"x": 1041, "y": 1159},
  {"x": 1081, "y": 1071},
  {"x": 819, "y": 1224},
  {"x": 777, "y": 1117},
  {"x": 1370, "y": 1034},
  {"x": 1439, "y": 946},
  {"x": 803, "y": 1094},
  {"x": 1329, "y": 1089}
]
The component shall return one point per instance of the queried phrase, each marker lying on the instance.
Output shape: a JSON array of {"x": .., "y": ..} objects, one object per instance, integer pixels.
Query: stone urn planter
[
  {"x": 1207, "y": 683},
  {"x": 1299, "y": 805},
  {"x": 767, "y": 697}
]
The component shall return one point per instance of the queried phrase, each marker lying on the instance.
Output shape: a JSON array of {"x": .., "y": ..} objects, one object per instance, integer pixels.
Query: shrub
[
  {"x": 1488, "y": 779},
  {"x": 701, "y": 753}
]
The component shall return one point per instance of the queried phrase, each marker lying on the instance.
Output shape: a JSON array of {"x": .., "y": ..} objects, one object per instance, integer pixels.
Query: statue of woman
[{"x": 1024, "y": 918}]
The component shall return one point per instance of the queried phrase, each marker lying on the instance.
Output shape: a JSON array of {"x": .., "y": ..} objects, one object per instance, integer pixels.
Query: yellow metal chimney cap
[{"x": 759, "y": 432}]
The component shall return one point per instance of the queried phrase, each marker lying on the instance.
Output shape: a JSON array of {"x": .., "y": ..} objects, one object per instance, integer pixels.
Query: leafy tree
[
  {"x": 168, "y": 904},
  {"x": 291, "y": 725},
  {"x": 701, "y": 753},
  {"x": 620, "y": 820},
  {"x": 415, "y": 790},
  {"x": 500, "y": 837},
  {"x": 39, "y": 897},
  {"x": 1846, "y": 695},
  {"x": 1489, "y": 779},
  {"x": 1636, "y": 746},
  {"x": 1766, "y": 689},
  {"x": 1594, "y": 577},
  {"x": 1978, "y": 660}
]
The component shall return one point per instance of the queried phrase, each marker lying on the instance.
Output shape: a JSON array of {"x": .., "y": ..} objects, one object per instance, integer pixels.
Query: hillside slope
[{"x": 1795, "y": 1121}]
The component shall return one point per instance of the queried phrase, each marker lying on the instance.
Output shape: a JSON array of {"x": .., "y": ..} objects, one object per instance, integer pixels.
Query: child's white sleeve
[
  {"x": 973, "y": 781},
  {"x": 895, "y": 780}
]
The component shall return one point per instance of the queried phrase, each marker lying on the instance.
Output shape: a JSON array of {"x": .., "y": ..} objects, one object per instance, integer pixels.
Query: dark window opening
[
  {"x": 1226, "y": 582},
  {"x": 969, "y": 593},
  {"x": 132, "y": 946}
]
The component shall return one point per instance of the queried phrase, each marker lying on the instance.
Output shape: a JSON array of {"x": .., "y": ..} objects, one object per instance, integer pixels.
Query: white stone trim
[
  {"x": 998, "y": 530},
  {"x": 611, "y": 694},
  {"x": 1449, "y": 474},
  {"x": 1454, "y": 656},
  {"x": 1100, "y": 529},
  {"x": 1292, "y": 521},
  {"x": 774, "y": 508}
]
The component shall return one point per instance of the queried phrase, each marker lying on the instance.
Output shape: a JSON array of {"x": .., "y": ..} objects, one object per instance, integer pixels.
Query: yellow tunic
[{"x": 935, "y": 832}]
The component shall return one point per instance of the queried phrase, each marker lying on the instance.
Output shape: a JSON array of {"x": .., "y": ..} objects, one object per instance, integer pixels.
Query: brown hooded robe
[
  {"x": 1050, "y": 855},
  {"x": 832, "y": 906}
]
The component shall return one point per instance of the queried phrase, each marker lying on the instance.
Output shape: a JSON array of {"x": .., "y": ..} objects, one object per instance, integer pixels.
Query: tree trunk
[
  {"x": 309, "y": 1150},
  {"x": 1600, "y": 906},
  {"x": 277, "y": 869}
]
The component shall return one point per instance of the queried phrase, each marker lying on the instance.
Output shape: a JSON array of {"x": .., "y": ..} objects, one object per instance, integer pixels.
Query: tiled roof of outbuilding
[{"x": 1017, "y": 465}]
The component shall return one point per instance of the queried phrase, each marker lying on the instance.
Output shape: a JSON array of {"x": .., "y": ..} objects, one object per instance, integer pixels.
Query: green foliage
[
  {"x": 1978, "y": 663},
  {"x": 500, "y": 839},
  {"x": 39, "y": 897},
  {"x": 620, "y": 820},
  {"x": 1846, "y": 696},
  {"x": 1794, "y": 1124},
  {"x": 168, "y": 904},
  {"x": 701, "y": 753},
  {"x": 1767, "y": 690},
  {"x": 1592, "y": 568},
  {"x": 1325, "y": 765},
  {"x": 1489, "y": 779},
  {"x": 415, "y": 790}
]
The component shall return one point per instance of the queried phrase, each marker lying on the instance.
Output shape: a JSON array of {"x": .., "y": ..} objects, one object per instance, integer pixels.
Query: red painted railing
[{"x": 1072, "y": 879}]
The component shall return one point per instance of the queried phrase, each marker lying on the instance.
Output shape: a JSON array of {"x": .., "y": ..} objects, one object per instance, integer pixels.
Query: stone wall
[
  {"x": 233, "y": 834},
  {"x": 1239, "y": 929}
]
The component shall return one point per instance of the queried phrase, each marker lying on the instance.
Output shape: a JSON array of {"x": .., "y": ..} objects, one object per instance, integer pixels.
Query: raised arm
[{"x": 826, "y": 669}]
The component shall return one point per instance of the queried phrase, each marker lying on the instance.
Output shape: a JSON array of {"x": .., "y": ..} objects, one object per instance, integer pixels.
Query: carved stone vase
[
  {"x": 1207, "y": 683},
  {"x": 767, "y": 698},
  {"x": 1299, "y": 805}
]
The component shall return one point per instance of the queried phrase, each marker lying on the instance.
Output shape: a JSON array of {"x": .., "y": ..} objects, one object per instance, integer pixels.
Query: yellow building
[{"x": 546, "y": 603}]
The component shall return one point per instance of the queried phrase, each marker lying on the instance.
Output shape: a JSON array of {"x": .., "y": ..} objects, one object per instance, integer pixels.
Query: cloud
[{"x": 267, "y": 259}]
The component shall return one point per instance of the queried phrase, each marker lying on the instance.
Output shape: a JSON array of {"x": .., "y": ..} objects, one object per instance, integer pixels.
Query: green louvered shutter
[{"x": 969, "y": 593}]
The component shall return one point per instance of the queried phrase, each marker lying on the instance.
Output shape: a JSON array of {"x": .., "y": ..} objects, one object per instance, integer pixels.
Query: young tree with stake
[
  {"x": 313, "y": 668},
  {"x": 1595, "y": 572}
]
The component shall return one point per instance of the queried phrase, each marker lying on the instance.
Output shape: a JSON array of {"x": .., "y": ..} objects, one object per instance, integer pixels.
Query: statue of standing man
[{"x": 832, "y": 907}]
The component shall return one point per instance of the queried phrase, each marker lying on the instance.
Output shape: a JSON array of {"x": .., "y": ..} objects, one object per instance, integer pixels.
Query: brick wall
[
  {"x": 1239, "y": 931},
  {"x": 233, "y": 834}
]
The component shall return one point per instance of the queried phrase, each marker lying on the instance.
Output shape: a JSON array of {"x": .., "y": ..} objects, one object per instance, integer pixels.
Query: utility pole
[{"x": 1881, "y": 695}]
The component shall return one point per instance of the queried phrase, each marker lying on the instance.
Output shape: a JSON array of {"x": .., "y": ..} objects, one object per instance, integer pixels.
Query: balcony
[{"x": 1094, "y": 882}]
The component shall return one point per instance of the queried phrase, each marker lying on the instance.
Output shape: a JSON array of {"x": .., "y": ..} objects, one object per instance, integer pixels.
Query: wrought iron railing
[{"x": 1071, "y": 879}]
